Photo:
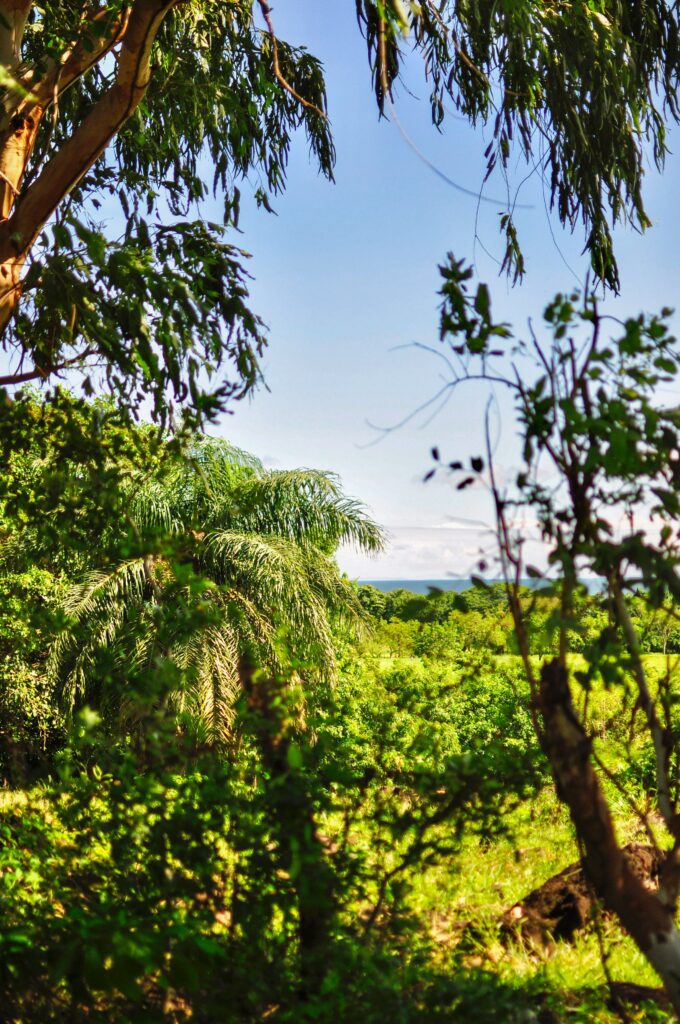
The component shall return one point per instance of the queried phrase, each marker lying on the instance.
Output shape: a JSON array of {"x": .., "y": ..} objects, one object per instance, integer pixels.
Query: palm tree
[{"x": 246, "y": 553}]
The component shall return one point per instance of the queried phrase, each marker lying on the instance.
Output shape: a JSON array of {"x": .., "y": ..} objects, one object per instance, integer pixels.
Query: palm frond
[
  {"x": 264, "y": 539},
  {"x": 100, "y": 604},
  {"x": 150, "y": 507},
  {"x": 295, "y": 586},
  {"x": 212, "y": 468},
  {"x": 302, "y": 505}
]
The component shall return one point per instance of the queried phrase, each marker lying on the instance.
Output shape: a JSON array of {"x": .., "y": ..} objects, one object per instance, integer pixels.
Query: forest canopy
[{"x": 150, "y": 107}]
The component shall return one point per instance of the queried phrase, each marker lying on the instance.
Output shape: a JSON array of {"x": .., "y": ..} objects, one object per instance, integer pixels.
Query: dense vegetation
[
  {"x": 240, "y": 788},
  {"x": 237, "y": 787}
]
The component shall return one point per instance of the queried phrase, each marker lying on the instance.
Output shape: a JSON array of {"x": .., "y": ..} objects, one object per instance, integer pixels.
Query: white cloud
[
  {"x": 433, "y": 552},
  {"x": 449, "y": 549}
]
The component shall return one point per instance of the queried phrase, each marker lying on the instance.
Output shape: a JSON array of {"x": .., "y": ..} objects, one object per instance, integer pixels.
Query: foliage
[
  {"x": 600, "y": 459},
  {"x": 31, "y": 726},
  {"x": 153, "y": 873},
  {"x": 527, "y": 67},
  {"x": 68, "y": 468},
  {"x": 245, "y": 551},
  {"x": 176, "y": 879},
  {"x": 157, "y": 293},
  {"x": 153, "y": 876},
  {"x": 184, "y": 554},
  {"x": 189, "y": 594},
  {"x": 127, "y": 105}
]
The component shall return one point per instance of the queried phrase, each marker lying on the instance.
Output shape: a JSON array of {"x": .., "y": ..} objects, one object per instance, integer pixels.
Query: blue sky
[{"x": 346, "y": 274}]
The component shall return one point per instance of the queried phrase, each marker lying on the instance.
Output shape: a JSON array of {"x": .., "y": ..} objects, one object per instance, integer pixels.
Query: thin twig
[
  {"x": 387, "y": 93},
  {"x": 42, "y": 373},
  {"x": 660, "y": 739},
  {"x": 639, "y": 814}
]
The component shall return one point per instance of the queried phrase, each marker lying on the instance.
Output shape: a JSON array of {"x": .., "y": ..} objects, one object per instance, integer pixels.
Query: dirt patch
[{"x": 564, "y": 903}]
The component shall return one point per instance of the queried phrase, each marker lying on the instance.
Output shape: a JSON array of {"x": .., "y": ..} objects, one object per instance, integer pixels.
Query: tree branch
[
  {"x": 278, "y": 74},
  {"x": 659, "y": 736},
  {"x": 102, "y": 33},
  {"x": 41, "y": 372},
  {"x": 91, "y": 138}
]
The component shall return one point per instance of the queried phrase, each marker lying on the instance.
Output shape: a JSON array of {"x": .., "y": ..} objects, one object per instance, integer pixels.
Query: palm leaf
[{"x": 264, "y": 539}]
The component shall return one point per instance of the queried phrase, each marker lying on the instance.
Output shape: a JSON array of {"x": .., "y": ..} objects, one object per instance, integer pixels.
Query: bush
[{"x": 31, "y": 727}]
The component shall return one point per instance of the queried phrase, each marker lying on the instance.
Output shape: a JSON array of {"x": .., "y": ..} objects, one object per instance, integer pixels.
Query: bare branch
[{"x": 278, "y": 74}]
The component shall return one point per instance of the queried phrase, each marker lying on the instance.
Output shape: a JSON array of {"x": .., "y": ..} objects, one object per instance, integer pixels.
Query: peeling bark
[
  {"x": 17, "y": 146},
  {"x": 664, "y": 956},
  {"x": 13, "y": 16},
  {"x": 19, "y": 128},
  {"x": 24, "y": 215}
]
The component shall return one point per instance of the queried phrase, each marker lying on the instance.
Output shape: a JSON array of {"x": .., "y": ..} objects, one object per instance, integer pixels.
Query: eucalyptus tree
[
  {"x": 147, "y": 105},
  {"x": 231, "y": 560}
]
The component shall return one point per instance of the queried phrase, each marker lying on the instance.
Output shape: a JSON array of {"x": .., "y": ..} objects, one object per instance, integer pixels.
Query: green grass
[{"x": 568, "y": 978}]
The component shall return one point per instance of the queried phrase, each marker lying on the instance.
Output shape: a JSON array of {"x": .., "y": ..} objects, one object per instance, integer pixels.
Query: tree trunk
[
  {"x": 646, "y": 917},
  {"x": 294, "y": 825},
  {"x": 13, "y": 16}
]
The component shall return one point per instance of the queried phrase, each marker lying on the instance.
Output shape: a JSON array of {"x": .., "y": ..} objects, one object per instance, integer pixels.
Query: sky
[{"x": 345, "y": 275}]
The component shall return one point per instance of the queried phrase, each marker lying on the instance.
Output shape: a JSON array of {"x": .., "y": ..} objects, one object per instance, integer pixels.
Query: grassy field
[
  {"x": 566, "y": 981},
  {"x": 486, "y": 881}
]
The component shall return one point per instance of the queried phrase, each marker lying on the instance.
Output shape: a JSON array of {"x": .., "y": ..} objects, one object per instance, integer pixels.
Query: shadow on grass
[{"x": 480, "y": 996}]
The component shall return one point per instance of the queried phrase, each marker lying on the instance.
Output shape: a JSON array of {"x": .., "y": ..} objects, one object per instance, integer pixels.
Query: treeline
[{"x": 444, "y": 623}]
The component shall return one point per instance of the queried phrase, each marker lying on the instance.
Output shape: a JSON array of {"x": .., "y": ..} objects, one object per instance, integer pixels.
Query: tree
[
  {"x": 169, "y": 83},
  {"x": 31, "y": 725},
  {"x": 240, "y": 560},
  {"x": 599, "y": 449},
  {"x": 131, "y": 102}
]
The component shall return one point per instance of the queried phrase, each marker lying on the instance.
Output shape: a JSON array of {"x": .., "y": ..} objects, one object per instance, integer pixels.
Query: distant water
[{"x": 424, "y": 586}]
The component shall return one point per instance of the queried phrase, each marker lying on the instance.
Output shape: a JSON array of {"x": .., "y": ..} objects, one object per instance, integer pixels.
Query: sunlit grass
[{"x": 488, "y": 878}]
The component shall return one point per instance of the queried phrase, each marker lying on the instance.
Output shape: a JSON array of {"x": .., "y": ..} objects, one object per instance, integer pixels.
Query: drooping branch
[{"x": 278, "y": 74}]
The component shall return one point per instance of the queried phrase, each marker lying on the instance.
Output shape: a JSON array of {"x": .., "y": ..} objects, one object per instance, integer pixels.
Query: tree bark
[
  {"x": 646, "y": 917},
  {"x": 23, "y": 215},
  {"x": 13, "y": 16}
]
